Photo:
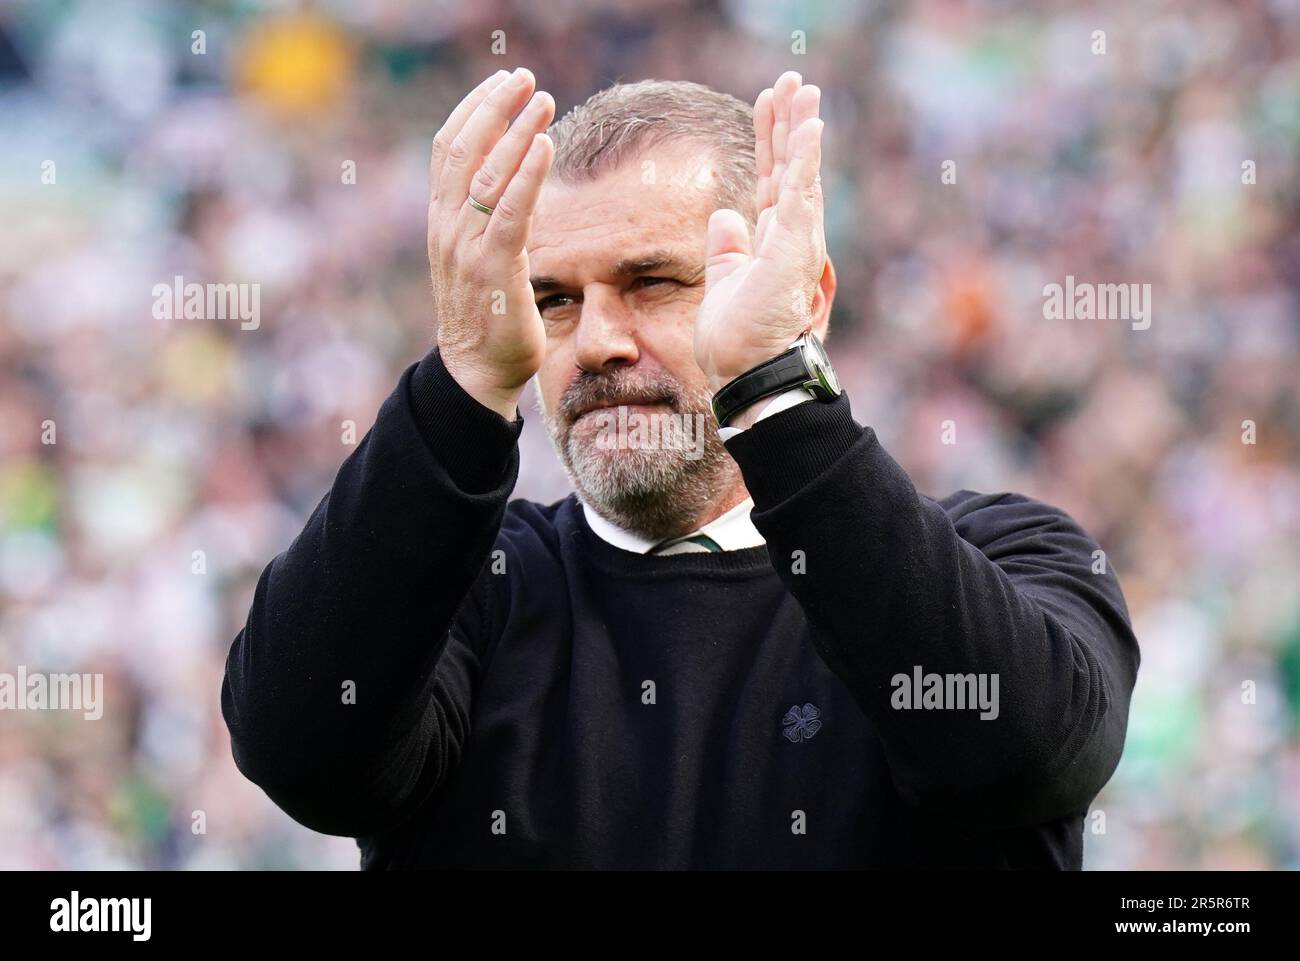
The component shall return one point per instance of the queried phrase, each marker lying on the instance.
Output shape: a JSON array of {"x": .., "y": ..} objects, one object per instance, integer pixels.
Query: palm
[{"x": 758, "y": 302}]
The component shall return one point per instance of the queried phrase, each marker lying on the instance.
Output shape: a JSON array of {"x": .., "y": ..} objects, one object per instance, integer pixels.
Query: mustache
[{"x": 589, "y": 391}]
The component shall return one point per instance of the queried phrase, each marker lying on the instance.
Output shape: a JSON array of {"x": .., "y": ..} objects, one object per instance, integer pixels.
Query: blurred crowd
[{"x": 976, "y": 152}]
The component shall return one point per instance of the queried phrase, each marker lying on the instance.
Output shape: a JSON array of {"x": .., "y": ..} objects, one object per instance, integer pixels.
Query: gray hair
[{"x": 620, "y": 122}]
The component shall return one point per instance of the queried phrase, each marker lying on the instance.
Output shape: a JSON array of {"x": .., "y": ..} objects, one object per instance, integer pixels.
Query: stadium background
[{"x": 227, "y": 166}]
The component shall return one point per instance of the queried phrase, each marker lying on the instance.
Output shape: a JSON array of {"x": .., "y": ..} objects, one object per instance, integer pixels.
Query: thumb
[{"x": 727, "y": 246}]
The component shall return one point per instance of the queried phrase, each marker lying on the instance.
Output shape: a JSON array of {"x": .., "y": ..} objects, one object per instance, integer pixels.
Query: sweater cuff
[
  {"x": 782, "y": 454},
  {"x": 475, "y": 445}
]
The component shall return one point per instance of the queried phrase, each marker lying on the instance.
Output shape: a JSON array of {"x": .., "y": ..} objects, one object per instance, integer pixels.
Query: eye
[
  {"x": 555, "y": 300},
  {"x": 652, "y": 281}
]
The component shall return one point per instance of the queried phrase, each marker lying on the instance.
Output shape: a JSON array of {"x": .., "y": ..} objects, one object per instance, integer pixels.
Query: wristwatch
[{"x": 804, "y": 365}]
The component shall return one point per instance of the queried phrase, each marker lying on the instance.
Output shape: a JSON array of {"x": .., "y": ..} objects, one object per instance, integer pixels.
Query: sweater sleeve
[
  {"x": 894, "y": 583},
  {"x": 347, "y": 694}
]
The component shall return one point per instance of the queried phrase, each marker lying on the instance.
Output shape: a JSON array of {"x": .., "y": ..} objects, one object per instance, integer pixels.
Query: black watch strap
[{"x": 770, "y": 377}]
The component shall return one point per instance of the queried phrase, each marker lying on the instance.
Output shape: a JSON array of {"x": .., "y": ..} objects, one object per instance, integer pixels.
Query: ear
[{"x": 823, "y": 298}]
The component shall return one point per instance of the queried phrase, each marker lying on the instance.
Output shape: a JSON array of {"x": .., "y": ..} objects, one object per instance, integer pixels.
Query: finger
[
  {"x": 783, "y": 96},
  {"x": 805, "y": 106},
  {"x": 503, "y": 162},
  {"x": 799, "y": 206},
  {"x": 455, "y": 122},
  {"x": 787, "y": 85},
  {"x": 482, "y": 130},
  {"x": 763, "y": 120},
  {"x": 508, "y": 227},
  {"x": 760, "y": 228},
  {"x": 727, "y": 246}
]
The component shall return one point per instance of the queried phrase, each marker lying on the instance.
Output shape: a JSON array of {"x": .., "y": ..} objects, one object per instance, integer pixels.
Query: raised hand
[
  {"x": 759, "y": 295},
  {"x": 490, "y": 334}
]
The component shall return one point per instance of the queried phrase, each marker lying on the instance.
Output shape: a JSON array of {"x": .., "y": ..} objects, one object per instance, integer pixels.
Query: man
[{"x": 758, "y": 648}]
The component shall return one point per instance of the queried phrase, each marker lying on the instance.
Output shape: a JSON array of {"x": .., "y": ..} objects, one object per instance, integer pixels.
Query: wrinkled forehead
[{"x": 660, "y": 199}]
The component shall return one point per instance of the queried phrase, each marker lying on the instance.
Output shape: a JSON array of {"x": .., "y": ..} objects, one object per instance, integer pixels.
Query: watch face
[{"x": 821, "y": 363}]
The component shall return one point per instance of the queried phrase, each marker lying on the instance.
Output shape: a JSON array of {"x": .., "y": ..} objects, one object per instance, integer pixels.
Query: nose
[{"x": 606, "y": 331}]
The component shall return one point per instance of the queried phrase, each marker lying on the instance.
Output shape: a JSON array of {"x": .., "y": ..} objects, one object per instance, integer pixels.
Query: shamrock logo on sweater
[{"x": 801, "y": 723}]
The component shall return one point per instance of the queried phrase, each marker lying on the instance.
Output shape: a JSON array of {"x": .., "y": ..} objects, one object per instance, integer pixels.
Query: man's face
[{"x": 618, "y": 273}]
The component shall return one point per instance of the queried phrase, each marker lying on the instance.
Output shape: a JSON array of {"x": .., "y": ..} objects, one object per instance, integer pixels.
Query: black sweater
[{"x": 457, "y": 679}]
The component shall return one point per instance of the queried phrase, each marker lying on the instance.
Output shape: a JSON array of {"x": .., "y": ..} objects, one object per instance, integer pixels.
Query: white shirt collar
[{"x": 731, "y": 531}]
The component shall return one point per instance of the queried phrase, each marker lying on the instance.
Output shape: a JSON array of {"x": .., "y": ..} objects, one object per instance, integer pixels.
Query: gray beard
[{"x": 657, "y": 493}]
